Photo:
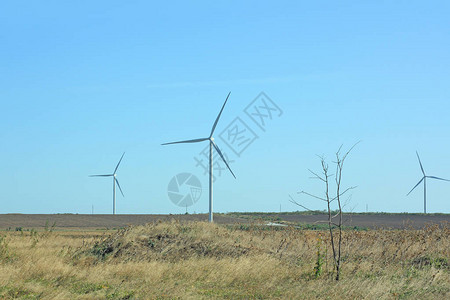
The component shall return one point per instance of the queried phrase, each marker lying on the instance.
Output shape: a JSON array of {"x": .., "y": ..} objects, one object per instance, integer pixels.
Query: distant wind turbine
[
  {"x": 211, "y": 146},
  {"x": 424, "y": 179},
  {"x": 114, "y": 176}
]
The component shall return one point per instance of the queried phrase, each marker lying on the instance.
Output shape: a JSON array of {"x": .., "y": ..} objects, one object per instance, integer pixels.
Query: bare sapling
[{"x": 334, "y": 217}]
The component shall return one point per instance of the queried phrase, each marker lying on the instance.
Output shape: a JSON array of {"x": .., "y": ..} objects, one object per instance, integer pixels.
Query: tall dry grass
[{"x": 201, "y": 260}]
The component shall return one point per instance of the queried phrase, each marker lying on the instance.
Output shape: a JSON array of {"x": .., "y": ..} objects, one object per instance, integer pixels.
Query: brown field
[
  {"x": 198, "y": 260},
  {"x": 75, "y": 221}
]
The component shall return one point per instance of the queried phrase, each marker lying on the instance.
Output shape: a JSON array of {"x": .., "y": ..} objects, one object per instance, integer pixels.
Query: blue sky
[{"x": 82, "y": 82}]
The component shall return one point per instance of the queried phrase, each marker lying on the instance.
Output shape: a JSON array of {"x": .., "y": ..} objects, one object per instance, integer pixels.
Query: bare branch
[
  {"x": 316, "y": 176},
  {"x": 311, "y": 195},
  {"x": 345, "y": 155},
  {"x": 348, "y": 189},
  {"x": 322, "y": 157},
  {"x": 339, "y": 150},
  {"x": 337, "y": 214},
  {"x": 349, "y": 198},
  {"x": 296, "y": 203},
  {"x": 353, "y": 208}
]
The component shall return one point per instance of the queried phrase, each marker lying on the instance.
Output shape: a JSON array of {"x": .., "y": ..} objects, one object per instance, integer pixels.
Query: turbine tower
[
  {"x": 212, "y": 145},
  {"x": 114, "y": 176},
  {"x": 424, "y": 179}
]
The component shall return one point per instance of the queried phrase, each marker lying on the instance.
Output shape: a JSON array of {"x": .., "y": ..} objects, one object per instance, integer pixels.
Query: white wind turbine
[
  {"x": 211, "y": 146},
  {"x": 114, "y": 176},
  {"x": 424, "y": 179}
]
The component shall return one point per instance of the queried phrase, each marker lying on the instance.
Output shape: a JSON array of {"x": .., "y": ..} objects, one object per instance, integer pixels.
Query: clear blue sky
[{"x": 82, "y": 82}]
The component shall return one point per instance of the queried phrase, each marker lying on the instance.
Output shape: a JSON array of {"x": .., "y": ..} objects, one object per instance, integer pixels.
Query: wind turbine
[
  {"x": 114, "y": 176},
  {"x": 211, "y": 146},
  {"x": 424, "y": 179}
]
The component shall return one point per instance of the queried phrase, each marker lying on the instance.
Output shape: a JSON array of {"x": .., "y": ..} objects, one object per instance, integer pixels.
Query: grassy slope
[{"x": 199, "y": 260}]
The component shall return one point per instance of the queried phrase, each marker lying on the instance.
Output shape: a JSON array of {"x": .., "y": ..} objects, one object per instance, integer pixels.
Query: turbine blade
[
  {"x": 117, "y": 181},
  {"x": 434, "y": 177},
  {"x": 108, "y": 175},
  {"x": 223, "y": 158},
  {"x": 415, "y": 186},
  {"x": 187, "y": 141},
  {"x": 420, "y": 164},
  {"x": 118, "y": 163},
  {"x": 218, "y": 117}
]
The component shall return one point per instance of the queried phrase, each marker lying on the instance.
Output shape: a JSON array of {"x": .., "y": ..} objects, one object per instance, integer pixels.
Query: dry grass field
[{"x": 197, "y": 260}]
